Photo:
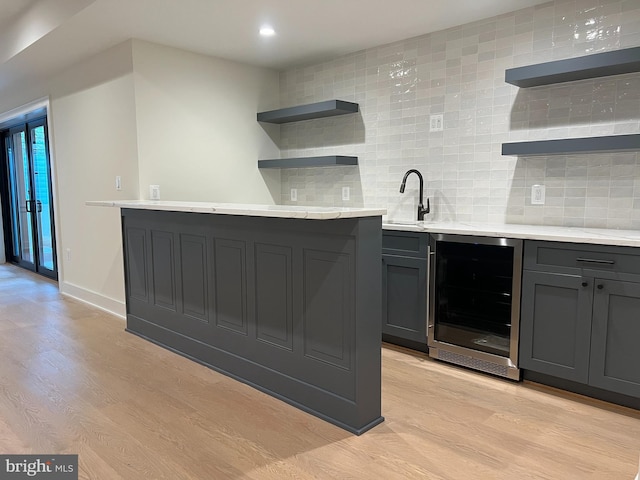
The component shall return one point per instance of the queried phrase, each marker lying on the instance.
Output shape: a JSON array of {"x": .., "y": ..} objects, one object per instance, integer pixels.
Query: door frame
[{"x": 29, "y": 112}]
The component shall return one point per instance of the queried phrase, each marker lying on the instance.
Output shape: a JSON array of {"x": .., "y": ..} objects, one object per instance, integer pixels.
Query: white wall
[
  {"x": 198, "y": 137},
  {"x": 93, "y": 133},
  {"x": 152, "y": 115}
]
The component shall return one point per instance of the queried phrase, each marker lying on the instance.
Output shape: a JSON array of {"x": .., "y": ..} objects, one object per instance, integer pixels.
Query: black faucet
[{"x": 421, "y": 209}]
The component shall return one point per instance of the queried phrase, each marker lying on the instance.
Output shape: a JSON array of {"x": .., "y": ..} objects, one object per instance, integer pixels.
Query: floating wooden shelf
[
  {"x": 329, "y": 108},
  {"x": 615, "y": 62},
  {"x": 614, "y": 143},
  {"x": 326, "y": 161}
]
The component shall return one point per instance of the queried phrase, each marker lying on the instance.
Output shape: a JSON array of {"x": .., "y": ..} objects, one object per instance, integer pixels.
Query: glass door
[
  {"x": 42, "y": 198},
  {"x": 20, "y": 203},
  {"x": 30, "y": 213}
]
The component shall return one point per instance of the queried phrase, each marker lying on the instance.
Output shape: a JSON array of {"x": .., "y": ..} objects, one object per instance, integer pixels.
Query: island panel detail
[{"x": 289, "y": 306}]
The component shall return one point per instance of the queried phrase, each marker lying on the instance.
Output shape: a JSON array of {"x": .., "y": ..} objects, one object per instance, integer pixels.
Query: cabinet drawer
[
  {"x": 408, "y": 244},
  {"x": 578, "y": 259}
]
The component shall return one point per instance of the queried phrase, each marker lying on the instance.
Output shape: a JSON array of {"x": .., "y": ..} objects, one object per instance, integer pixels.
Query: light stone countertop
[
  {"x": 245, "y": 209},
  {"x": 599, "y": 236}
]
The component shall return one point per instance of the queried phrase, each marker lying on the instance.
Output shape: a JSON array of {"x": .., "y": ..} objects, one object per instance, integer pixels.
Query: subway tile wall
[{"x": 459, "y": 73}]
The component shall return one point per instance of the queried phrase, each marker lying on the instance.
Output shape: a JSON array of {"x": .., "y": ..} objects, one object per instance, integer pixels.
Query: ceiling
[
  {"x": 10, "y": 9},
  {"x": 40, "y": 37}
]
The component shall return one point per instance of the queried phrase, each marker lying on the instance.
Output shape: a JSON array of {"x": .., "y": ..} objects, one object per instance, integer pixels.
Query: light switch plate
[
  {"x": 118, "y": 183},
  {"x": 294, "y": 194},
  {"x": 346, "y": 194}
]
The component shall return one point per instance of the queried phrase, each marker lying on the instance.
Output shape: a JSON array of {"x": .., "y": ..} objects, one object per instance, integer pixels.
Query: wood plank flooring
[{"x": 73, "y": 381}]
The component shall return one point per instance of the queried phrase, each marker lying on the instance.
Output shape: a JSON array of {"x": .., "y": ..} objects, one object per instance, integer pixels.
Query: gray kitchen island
[{"x": 283, "y": 298}]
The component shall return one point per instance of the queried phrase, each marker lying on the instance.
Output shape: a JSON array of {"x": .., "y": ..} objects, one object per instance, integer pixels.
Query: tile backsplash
[{"x": 459, "y": 73}]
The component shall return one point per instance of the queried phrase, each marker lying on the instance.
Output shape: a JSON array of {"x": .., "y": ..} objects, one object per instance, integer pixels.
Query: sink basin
[
  {"x": 413, "y": 225},
  {"x": 402, "y": 222}
]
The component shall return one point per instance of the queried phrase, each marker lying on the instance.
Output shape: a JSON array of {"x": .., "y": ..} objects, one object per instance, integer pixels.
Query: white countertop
[
  {"x": 600, "y": 236},
  {"x": 281, "y": 211}
]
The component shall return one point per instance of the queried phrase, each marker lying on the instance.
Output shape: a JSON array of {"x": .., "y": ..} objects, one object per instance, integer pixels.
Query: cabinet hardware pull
[
  {"x": 600, "y": 286},
  {"x": 595, "y": 260},
  {"x": 585, "y": 284}
]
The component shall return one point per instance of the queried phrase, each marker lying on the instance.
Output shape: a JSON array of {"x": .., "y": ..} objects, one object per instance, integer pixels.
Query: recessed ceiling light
[{"x": 267, "y": 31}]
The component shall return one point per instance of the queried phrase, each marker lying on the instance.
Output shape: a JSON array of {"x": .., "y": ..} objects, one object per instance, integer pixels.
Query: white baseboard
[{"x": 110, "y": 305}]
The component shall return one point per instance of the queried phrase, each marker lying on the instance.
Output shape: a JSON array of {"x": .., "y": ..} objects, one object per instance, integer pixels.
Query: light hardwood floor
[{"x": 73, "y": 381}]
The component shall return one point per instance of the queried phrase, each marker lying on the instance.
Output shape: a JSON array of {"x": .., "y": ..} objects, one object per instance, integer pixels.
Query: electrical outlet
[
  {"x": 537, "y": 194},
  {"x": 118, "y": 183},
  {"x": 294, "y": 194},
  {"x": 436, "y": 123},
  {"x": 346, "y": 193},
  {"x": 154, "y": 192}
]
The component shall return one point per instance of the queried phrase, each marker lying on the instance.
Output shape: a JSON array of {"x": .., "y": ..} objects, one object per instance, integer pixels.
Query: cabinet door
[
  {"x": 404, "y": 297},
  {"x": 555, "y": 324},
  {"x": 615, "y": 338}
]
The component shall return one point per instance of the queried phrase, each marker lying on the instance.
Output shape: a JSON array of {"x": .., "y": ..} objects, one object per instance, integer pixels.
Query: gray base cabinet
[
  {"x": 555, "y": 325},
  {"x": 580, "y": 314},
  {"x": 615, "y": 337},
  {"x": 404, "y": 288},
  {"x": 289, "y": 306}
]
